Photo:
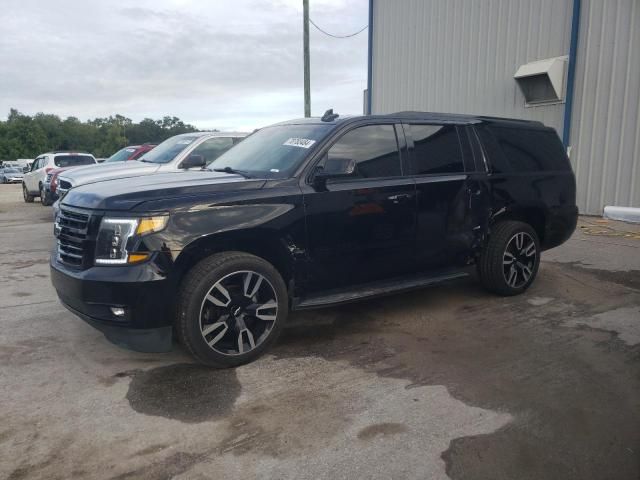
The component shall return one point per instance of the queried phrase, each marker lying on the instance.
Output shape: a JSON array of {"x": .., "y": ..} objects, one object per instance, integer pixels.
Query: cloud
[{"x": 224, "y": 64}]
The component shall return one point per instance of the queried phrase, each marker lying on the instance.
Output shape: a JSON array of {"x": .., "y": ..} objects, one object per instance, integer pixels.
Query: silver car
[
  {"x": 11, "y": 175},
  {"x": 180, "y": 152}
]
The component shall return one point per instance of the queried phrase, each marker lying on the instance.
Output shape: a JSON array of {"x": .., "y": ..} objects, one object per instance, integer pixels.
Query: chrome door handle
[{"x": 397, "y": 198}]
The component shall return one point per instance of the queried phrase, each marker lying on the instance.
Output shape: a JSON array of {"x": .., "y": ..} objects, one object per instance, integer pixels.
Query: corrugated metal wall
[
  {"x": 460, "y": 56},
  {"x": 605, "y": 133}
]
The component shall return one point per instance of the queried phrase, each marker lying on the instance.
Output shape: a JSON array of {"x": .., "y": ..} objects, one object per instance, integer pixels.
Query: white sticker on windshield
[{"x": 299, "y": 142}]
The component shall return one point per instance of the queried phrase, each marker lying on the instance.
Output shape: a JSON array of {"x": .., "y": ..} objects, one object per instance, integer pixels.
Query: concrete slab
[{"x": 446, "y": 382}]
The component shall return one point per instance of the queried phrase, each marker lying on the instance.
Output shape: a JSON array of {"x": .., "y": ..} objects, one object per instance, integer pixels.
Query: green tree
[{"x": 22, "y": 136}]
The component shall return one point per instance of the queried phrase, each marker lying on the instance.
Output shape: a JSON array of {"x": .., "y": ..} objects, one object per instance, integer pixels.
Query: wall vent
[{"x": 543, "y": 81}]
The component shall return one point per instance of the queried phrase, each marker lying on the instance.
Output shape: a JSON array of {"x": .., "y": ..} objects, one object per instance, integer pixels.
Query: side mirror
[
  {"x": 193, "y": 161},
  {"x": 333, "y": 168}
]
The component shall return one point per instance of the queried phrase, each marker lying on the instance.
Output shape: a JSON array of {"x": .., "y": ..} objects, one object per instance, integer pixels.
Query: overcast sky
[{"x": 227, "y": 64}]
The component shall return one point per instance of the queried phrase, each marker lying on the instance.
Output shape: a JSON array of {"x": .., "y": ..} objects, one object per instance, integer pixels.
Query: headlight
[{"x": 113, "y": 245}]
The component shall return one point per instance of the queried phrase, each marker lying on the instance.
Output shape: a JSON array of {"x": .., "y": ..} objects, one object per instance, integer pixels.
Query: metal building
[{"x": 577, "y": 63}]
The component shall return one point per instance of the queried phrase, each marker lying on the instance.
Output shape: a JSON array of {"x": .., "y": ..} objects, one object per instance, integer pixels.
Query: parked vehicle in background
[
  {"x": 180, "y": 152},
  {"x": 33, "y": 182},
  {"x": 11, "y": 175},
  {"x": 24, "y": 163},
  {"x": 51, "y": 185},
  {"x": 21, "y": 165},
  {"x": 132, "y": 152},
  {"x": 306, "y": 214}
]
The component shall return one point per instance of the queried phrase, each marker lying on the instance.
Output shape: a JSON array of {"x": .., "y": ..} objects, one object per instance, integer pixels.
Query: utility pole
[{"x": 305, "y": 48}]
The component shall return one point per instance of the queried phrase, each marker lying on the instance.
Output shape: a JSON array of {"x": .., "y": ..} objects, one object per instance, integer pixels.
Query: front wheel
[
  {"x": 28, "y": 198},
  {"x": 231, "y": 309},
  {"x": 510, "y": 260}
]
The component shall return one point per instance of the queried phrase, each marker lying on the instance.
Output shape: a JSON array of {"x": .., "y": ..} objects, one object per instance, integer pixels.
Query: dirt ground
[{"x": 446, "y": 382}]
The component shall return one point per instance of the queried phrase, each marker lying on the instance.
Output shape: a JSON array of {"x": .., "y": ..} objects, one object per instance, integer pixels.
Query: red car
[{"x": 132, "y": 152}]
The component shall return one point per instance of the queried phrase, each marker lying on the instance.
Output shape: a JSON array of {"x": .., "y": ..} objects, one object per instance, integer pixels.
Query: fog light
[{"x": 117, "y": 311}]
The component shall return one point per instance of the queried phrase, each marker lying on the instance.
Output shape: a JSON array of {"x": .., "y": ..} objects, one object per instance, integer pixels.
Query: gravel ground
[{"x": 447, "y": 382}]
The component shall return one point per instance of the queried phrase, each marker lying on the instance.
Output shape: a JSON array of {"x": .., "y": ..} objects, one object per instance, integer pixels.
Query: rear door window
[
  {"x": 374, "y": 148},
  {"x": 436, "y": 149},
  {"x": 72, "y": 160}
]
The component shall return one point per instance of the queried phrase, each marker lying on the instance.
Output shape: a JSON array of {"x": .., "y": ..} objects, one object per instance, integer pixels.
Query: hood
[
  {"x": 13, "y": 174},
  {"x": 108, "y": 171},
  {"x": 127, "y": 193}
]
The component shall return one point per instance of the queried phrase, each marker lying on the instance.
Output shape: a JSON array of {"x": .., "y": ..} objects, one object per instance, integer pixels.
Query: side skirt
[{"x": 375, "y": 289}]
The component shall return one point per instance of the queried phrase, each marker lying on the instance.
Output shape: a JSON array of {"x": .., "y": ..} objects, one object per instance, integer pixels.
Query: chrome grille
[{"x": 72, "y": 232}]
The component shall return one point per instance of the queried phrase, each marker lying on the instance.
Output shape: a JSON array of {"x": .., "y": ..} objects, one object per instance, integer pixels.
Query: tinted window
[
  {"x": 73, "y": 160},
  {"x": 497, "y": 161},
  {"x": 374, "y": 149},
  {"x": 531, "y": 150},
  {"x": 436, "y": 149},
  {"x": 213, "y": 148}
]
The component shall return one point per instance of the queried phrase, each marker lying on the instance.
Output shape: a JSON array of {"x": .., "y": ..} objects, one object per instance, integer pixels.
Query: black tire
[
  {"x": 28, "y": 198},
  {"x": 44, "y": 199},
  {"x": 194, "y": 310},
  {"x": 501, "y": 257}
]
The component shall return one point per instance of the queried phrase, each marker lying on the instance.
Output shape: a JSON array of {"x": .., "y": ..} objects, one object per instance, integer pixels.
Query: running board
[{"x": 360, "y": 292}]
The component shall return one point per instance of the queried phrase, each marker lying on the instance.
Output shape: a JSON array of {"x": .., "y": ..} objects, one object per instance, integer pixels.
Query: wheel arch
[
  {"x": 262, "y": 243},
  {"x": 534, "y": 216}
]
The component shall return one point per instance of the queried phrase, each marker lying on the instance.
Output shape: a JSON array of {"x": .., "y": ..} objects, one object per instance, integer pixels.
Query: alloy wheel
[
  {"x": 519, "y": 259},
  {"x": 238, "y": 313}
]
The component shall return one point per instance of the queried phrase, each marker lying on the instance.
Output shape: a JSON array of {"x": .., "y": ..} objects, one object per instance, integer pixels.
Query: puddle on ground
[{"x": 186, "y": 392}]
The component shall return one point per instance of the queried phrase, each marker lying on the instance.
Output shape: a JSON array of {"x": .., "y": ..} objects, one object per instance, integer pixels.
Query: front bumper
[
  {"x": 14, "y": 180},
  {"x": 141, "y": 290}
]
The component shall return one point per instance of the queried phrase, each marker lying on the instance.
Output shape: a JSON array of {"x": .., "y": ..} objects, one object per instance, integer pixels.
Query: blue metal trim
[
  {"x": 370, "y": 59},
  {"x": 571, "y": 72}
]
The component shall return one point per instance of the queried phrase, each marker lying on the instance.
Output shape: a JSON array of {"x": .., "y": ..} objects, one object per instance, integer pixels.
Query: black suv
[{"x": 310, "y": 213}]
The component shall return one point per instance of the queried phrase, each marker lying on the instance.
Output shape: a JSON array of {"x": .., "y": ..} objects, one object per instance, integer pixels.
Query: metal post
[
  {"x": 571, "y": 73},
  {"x": 307, "y": 82}
]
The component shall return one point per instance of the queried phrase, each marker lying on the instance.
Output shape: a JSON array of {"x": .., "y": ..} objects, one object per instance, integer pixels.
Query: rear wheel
[
  {"x": 509, "y": 263},
  {"x": 231, "y": 309},
  {"x": 26, "y": 195},
  {"x": 44, "y": 199}
]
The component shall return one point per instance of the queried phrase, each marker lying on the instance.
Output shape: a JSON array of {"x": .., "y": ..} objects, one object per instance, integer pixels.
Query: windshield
[
  {"x": 10, "y": 170},
  {"x": 121, "y": 155},
  {"x": 73, "y": 160},
  {"x": 169, "y": 149},
  {"x": 273, "y": 152}
]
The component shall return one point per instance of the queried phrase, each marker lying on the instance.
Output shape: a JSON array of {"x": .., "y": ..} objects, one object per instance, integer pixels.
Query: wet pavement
[{"x": 446, "y": 382}]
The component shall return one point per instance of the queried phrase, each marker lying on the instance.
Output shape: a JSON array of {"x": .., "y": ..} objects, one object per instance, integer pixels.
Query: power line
[{"x": 337, "y": 36}]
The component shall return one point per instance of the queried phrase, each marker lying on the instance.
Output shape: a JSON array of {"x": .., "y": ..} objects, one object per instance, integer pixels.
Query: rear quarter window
[
  {"x": 525, "y": 150},
  {"x": 73, "y": 160}
]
